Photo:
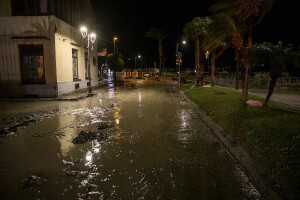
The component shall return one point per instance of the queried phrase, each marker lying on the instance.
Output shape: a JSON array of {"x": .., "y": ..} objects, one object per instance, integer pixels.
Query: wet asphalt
[{"x": 138, "y": 142}]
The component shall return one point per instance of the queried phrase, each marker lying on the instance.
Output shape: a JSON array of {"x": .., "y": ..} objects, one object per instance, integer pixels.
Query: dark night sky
[{"x": 129, "y": 20}]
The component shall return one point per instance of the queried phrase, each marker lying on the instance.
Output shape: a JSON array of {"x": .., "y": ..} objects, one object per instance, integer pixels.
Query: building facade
[{"x": 42, "y": 52}]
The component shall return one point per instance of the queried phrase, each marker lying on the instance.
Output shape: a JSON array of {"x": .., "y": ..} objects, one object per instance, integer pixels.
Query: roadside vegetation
[{"x": 270, "y": 134}]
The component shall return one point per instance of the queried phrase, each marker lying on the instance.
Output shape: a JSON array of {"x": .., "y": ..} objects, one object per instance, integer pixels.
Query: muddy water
[{"x": 158, "y": 148}]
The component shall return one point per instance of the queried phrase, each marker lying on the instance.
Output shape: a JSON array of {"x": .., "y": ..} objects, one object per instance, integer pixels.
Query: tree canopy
[{"x": 115, "y": 62}]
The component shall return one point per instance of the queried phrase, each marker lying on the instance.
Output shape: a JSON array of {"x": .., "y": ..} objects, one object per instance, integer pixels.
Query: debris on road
[
  {"x": 33, "y": 180},
  {"x": 83, "y": 137},
  {"x": 103, "y": 125}
]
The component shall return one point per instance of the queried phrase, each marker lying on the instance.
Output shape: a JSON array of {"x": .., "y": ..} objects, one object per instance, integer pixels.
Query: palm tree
[
  {"x": 251, "y": 12},
  {"x": 159, "y": 34},
  {"x": 197, "y": 30},
  {"x": 232, "y": 30},
  {"x": 212, "y": 45},
  {"x": 239, "y": 17}
]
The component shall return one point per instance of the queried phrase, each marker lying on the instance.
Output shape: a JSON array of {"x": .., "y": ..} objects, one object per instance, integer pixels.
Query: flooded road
[{"x": 131, "y": 143}]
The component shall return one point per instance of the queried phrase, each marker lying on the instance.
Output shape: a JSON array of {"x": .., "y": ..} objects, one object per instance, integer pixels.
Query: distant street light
[
  {"x": 139, "y": 56},
  {"x": 91, "y": 38},
  {"x": 115, "y": 46},
  {"x": 115, "y": 38},
  {"x": 178, "y": 59}
]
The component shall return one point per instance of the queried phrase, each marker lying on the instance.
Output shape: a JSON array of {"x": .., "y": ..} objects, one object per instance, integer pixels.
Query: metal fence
[
  {"x": 291, "y": 83},
  {"x": 220, "y": 80}
]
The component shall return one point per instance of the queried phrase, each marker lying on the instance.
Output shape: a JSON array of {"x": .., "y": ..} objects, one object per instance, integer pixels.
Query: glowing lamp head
[
  {"x": 83, "y": 31},
  {"x": 93, "y": 37}
]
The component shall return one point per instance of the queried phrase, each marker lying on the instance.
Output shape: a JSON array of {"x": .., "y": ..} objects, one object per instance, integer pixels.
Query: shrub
[{"x": 259, "y": 80}]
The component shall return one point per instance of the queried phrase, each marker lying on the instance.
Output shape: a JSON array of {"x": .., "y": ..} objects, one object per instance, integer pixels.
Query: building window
[
  {"x": 29, "y": 7},
  {"x": 75, "y": 63},
  {"x": 86, "y": 60},
  {"x": 32, "y": 64},
  {"x": 44, "y": 6}
]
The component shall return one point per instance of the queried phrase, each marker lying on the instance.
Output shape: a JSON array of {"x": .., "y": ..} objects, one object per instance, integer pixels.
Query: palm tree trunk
[
  {"x": 238, "y": 44},
  {"x": 271, "y": 90},
  {"x": 213, "y": 67},
  {"x": 201, "y": 64},
  {"x": 197, "y": 59},
  {"x": 160, "y": 54},
  {"x": 248, "y": 65},
  {"x": 222, "y": 50},
  {"x": 237, "y": 74},
  {"x": 244, "y": 77},
  {"x": 250, "y": 37},
  {"x": 275, "y": 73}
]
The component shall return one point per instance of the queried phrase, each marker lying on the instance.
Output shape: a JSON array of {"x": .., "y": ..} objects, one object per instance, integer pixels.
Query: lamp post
[
  {"x": 178, "y": 58},
  {"x": 115, "y": 38},
  {"x": 91, "y": 37},
  {"x": 139, "y": 56},
  {"x": 207, "y": 57}
]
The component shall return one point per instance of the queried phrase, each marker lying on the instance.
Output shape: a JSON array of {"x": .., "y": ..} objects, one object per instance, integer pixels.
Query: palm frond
[
  {"x": 197, "y": 27},
  {"x": 157, "y": 33}
]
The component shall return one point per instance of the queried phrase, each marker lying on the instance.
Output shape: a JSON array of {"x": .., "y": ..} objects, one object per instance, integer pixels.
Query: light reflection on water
[
  {"x": 185, "y": 131},
  {"x": 96, "y": 146},
  {"x": 140, "y": 108},
  {"x": 117, "y": 115},
  {"x": 92, "y": 115},
  {"x": 111, "y": 93},
  {"x": 184, "y": 118},
  {"x": 89, "y": 157},
  {"x": 140, "y": 98},
  {"x": 100, "y": 99}
]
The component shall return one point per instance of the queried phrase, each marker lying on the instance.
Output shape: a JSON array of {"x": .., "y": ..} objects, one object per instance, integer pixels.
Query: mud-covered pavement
[{"x": 127, "y": 142}]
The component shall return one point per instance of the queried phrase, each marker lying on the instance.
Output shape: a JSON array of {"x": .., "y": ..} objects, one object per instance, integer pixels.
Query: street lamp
[
  {"x": 178, "y": 58},
  {"x": 91, "y": 38},
  {"x": 139, "y": 56},
  {"x": 115, "y": 38}
]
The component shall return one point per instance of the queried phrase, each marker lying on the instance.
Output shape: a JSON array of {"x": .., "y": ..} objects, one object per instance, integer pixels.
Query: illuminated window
[
  {"x": 32, "y": 64},
  {"x": 75, "y": 63}
]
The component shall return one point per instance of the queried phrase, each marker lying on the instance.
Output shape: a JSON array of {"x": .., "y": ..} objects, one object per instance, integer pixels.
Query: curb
[{"x": 237, "y": 152}]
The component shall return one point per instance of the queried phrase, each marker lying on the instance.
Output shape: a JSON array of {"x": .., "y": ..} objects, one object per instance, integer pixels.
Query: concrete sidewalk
[{"x": 288, "y": 98}]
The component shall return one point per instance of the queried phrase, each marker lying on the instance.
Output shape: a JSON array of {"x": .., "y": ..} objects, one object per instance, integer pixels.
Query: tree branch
[{"x": 222, "y": 50}]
